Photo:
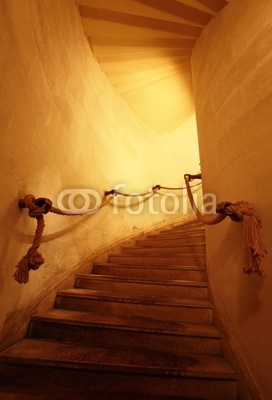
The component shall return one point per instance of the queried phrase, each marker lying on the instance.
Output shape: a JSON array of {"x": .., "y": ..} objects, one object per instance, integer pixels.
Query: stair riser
[
  {"x": 160, "y": 260},
  {"x": 159, "y": 290},
  {"x": 81, "y": 385},
  {"x": 151, "y": 273},
  {"x": 160, "y": 312},
  {"x": 164, "y": 250},
  {"x": 122, "y": 337}
]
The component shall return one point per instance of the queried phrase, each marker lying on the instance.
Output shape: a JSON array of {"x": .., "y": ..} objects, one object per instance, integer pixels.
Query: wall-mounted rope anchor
[
  {"x": 241, "y": 211},
  {"x": 37, "y": 207},
  {"x": 33, "y": 259}
]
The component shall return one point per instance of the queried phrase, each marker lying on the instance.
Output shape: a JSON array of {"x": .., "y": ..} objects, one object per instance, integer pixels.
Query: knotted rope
[
  {"x": 254, "y": 249},
  {"x": 33, "y": 259},
  {"x": 37, "y": 207}
]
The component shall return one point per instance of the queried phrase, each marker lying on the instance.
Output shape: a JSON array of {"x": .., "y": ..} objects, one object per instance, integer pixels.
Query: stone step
[
  {"x": 43, "y": 363},
  {"x": 191, "y": 273},
  {"x": 171, "y": 259},
  {"x": 170, "y": 242},
  {"x": 164, "y": 250},
  {"x": 176, "y": 288},
  {"x": 126, "y": 304},
  {"x": 187, "y": 229},
  {"x": 120, "y": 331},
  {"x": 176, "y": 235}
]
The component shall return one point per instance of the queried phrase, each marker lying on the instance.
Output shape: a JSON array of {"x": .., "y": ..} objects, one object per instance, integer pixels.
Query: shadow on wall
[
  {"x": 12, "y": 236},
  {"x": 230, "y": 277}
]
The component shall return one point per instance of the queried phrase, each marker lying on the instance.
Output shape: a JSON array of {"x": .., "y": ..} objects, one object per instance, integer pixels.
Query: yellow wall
[
  {"x": 63, "y": 126},
  {"x": 233, "y": 91}
]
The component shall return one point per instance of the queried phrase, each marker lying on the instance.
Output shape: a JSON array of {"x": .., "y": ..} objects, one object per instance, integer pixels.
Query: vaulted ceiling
[{"x": 144, "y": 48}]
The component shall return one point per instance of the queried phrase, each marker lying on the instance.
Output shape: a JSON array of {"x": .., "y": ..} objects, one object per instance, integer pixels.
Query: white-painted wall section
[
  {"x": 233, "y": 94},
  {"x": 63, "y": 126}
]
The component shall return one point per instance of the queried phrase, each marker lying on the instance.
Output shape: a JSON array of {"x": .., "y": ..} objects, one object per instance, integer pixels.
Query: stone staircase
[{"x": 139, "y": 326}]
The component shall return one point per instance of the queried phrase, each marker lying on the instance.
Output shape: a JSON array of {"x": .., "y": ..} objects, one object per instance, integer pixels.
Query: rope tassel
[
  {"x": 254, "y": 249},
  {"x": 33, "y": 259}
]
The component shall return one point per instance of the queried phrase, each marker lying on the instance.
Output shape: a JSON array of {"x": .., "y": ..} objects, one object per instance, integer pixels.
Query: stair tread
[
  {"x": 125, "y": 360},
  {"x": 158, "y": 259},
  {"x": 160, "y": 267},
  {"x": 135, "y": 298},
  {"x": 161, "y": 251},
  {"x": 133, "y": 323},
  {"x": 181, "y": 255},
  {"x": 143, "y": 281}
]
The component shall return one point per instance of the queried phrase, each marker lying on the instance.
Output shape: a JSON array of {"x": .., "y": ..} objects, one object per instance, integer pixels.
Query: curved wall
[
  {"x": 233, "y": 95},
  {"x": 63, "y": 126}
]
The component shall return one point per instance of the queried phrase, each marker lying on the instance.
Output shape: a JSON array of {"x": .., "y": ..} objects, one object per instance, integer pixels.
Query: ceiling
[{"x": 144, "y": 48}]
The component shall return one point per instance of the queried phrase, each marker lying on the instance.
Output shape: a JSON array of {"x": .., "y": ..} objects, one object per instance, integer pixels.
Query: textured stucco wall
[
  {"x": 233, "y": 93},
  {"x": 63, "y": 126}
]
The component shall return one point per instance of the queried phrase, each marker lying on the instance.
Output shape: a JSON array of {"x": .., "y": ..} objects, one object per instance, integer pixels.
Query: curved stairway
[{"x": 139, "y": 326}]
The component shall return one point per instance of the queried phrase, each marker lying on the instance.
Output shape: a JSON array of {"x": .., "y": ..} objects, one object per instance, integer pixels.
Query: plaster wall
[
  {"x": 63, "y": 126},
  {"x": 233, "y": 94}
]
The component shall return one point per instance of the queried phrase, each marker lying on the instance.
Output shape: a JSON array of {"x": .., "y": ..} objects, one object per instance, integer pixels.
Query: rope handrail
[
  {"x": 37, "y": 207},
  {"x": 154, "y": 189},
  {"x": 254, "y": 249}
]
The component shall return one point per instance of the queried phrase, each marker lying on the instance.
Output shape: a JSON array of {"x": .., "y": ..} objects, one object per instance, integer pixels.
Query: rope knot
[
  {"x": 36, "y": 207},
  {"x": 237, "y": 211},
  {"x": 28, "y": 262},
  {"x": 228, "y": 208},
  {"x": 35, "y": 261},
  {"x": 156, "y": 187}
]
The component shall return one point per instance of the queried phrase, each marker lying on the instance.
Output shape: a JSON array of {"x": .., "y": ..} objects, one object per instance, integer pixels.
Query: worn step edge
[
  {"x": 144, "y": 281},
  {"x": 192, "y": 273},
  {"x": 120, "y": 283},
  {"x": 148, "y": 325},
  {"x": 84, "y": 357},
  {"x": 121, "y": 297},
  {"x": 106, "y": 329}
]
